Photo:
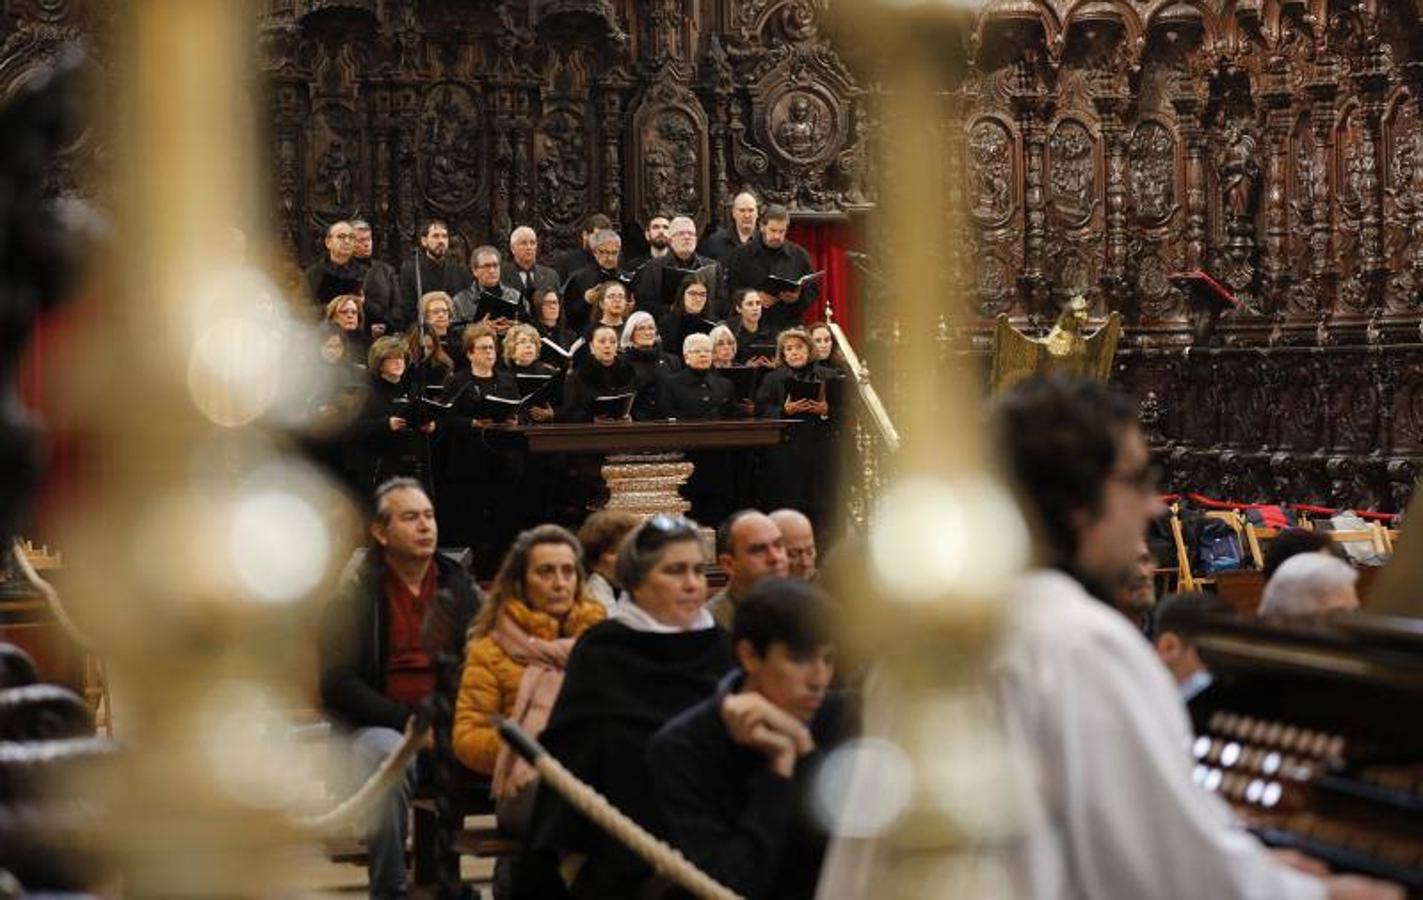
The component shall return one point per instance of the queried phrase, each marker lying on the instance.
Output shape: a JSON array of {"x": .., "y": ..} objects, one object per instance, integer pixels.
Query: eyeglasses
[{"x": 487, "y": 265}]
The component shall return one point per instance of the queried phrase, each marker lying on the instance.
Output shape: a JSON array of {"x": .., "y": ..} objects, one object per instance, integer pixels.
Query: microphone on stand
[{"x": 857, "y": 256}]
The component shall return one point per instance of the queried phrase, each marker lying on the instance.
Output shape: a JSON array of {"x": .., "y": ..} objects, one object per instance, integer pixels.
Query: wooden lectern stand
[{"x": 646, "y": 466}]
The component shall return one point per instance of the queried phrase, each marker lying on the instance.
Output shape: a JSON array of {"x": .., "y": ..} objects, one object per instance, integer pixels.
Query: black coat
[
  {"x": 354, "y": 642},
  {"x": 734, "y": 818},
  {"x": 620, "y": 687},
  {"x": 675, "y": 326},
  {"x": 446, "y": 275},
  {"x": 328, "y": 281},
  {"x": 379, "y": 453},
  {"x": 719, "y": 245},
  {"x": 577, "y": 311},
  {"x": 689, "y": 395},
  {"x": 800, "y": 471},
  {"x": 650, "y": 368},
  {"x": 588, "y": 379},
  {"x": 570, "y": 261},
  {"x": 762, "y": 342},
  {"x": 382, "y": 284},
  {"x": 748, "y": 266}
]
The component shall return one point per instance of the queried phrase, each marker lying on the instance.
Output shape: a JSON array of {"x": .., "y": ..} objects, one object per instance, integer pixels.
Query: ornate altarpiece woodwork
[{"x": 1106, "y": 144}]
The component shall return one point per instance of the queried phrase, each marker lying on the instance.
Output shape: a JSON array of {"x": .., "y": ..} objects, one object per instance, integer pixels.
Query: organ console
[{"x": 1313, "y": 731}]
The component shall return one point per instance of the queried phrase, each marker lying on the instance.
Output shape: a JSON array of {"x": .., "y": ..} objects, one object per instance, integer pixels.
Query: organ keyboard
[{"x": 1313, "y": 731}]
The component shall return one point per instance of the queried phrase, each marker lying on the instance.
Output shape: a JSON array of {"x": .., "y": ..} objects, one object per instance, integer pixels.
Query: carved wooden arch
[
  {"x": 669, "y": 153},
  {"x": 1133, "y": 28},
  {"x": 1209, "y": 22},
  {"x": 1018, "y": 10}
]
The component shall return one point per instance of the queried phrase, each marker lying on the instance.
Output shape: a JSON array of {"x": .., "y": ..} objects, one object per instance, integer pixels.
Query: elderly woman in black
[
  {"x": 347, "y": 312},
  {"x": 650, "y": 365},
  {"x": 477, "y": 497},
  {"x": 799, "y": 472},
  {"x": 658, "y": 654},
  {"x": 697, "y": 393},
  {"x": 602, "y": 373}
]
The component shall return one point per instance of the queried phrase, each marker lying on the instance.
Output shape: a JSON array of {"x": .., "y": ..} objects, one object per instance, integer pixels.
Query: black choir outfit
[
  {"x": 577, "y": 311},
  {"x": 620, "y": 687},
  {"x": 485, "y": 465},
  {"x": 761, "y": 342},
  {"x": 443, "y": 275},
  {"x": 650, "y": 367},
  {"x": 677, "y": 324},
  {"x": 590, "y": 378},
  {"x": 570, "y": 261},
  {"x": 799, "y": 472},
  {"x": 690, "y": 395},
  {"x": 468, "y": 302},
  {"x": 719, "y": 245},
  {"x": 658, "y": 281},
  {"x": 377, "y": 452},
  {"x": 749, "y": 266},
  {"x": 382, "y": 291},
  {"x": 328, "y": 281}
]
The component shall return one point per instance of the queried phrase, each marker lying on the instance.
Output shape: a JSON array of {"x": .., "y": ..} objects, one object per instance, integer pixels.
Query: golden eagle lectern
[{"x": 1065, "y": 349}]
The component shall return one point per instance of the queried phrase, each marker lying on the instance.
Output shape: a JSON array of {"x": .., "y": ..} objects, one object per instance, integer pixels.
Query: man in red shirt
[{"x": 375, "y": 669}]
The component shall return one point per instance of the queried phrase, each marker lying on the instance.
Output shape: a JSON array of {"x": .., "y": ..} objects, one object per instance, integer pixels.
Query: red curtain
[
  {"x": 827, "y": 242},
  {"x": 49, "y": 354}
]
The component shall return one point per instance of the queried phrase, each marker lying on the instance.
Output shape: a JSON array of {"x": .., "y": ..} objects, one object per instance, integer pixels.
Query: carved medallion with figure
[
  {"x": 801, "y": 124},
  {"x": 1152, "y": 173}
]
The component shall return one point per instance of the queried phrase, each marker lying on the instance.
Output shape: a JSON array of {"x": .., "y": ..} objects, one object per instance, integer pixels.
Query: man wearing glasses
[
  {"x": 607, "y": 249},
  {"x": 488, "y": 297},
  {"x": 658, "y": 281},
  {"x": 336, "y": 273}
]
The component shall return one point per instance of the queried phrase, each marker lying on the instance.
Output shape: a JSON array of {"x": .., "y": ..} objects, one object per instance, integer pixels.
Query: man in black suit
[
  {"x": 769, "y": 252},
  {"x": 337, "y": 272},
  {"x": 607, "y": 249},
  {"x": 581, "y": 257},
  {"x": 719, "y": 244},
  {"x": 437, "y": 271},
  {"x": 382, "y": 283},
  {"x": 658, "y": 280},
  {"x": 525, "y": 273}
]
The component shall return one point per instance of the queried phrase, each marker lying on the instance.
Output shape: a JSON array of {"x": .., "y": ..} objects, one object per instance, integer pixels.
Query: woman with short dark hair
[
  {"x": 602, "y": 373},
  {"x": 660, "y": 653},
  {"x": 799, "y": 473}
]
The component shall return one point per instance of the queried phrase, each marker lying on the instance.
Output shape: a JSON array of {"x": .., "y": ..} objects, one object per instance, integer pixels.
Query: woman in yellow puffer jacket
[{"x": 519, "y": 645}]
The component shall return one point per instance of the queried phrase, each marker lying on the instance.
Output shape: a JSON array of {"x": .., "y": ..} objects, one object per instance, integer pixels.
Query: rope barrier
[
  {"x": 354, "y": 807},
  {"x": 662, "y": 857}
]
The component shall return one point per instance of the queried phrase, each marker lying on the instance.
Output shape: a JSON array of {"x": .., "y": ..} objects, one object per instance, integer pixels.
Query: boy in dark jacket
[
  {"x": 375, "y": 668},
  {"x": 732, "y": 774}
]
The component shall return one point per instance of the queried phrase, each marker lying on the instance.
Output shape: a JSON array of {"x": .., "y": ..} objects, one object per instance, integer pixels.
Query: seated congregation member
[
  {"x": 733, "y": 774},
  {"x": 435, "y": 311},
  {"x": 755, "y": 344},
  {"x": 1310, "y": 584},
  {"x": 642, "y": 350},
  {"x": 488, "y": 298},
  {"x": 392, "y": 433},
  {"x": 380, "y": 286},
  {"x": 438, "y": 273},
  {"x": 430, "y": 366},
  {"x": 769, "y": 253},
  {"x": 602, "y": 373},
  {"x": 375, "y": 666},
  {"x": 724, "y": 347},
  {"x": 578, "y": 297},
  {"x": 749, "y": 547},
  {"x": 800, "y": 471},
  {"x": 485, "y": 463},
  {"x": 1176, "y": 622},
  {"x": 519, "y": 647},
  {"x": 799, "y": 537},
  {"x": 689, "y": 314},
  {"x": 336, "y": 273},
  {"x": 822, "y": 342},
  {"x": 601, "y": 536},
  {"x": 697, "y": 393},
  {"x": 521, "y": 357},
  {"x": 1110, "y": 807},
  {"x": 659, "y": 654},
  {"x": 346, "y": 313}
]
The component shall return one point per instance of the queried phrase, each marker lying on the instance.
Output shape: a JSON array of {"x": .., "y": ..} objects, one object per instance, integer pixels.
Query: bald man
[
  {"x": 719, "y": 244},
  {"x": 799, "y": 537}
]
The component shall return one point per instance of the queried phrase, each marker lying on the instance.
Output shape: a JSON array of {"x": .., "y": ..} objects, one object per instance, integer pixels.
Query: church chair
[
  {"x": 1185, "y": 582},
  {"x": 1372, "y": 535},
  {"x": 1257, "y": 535}
]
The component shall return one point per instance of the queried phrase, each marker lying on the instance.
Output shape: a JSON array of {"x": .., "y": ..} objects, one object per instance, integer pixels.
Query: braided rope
[
  {"x": 51, "y": 599},
  {"x": 345, "y": 814}
]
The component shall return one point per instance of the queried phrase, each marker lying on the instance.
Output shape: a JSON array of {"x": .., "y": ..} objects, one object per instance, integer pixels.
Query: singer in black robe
[
  {"x": 391, "y": 435},
  {"x": 800, "y": 471},
  {"x": 697, "y": 393}
]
